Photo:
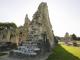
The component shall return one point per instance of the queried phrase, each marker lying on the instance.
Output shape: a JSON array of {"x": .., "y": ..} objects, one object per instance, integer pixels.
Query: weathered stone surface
[
  {"x": 8, "y": 32},
  {"x": 26, "y": 27},
  {"x": 41, "y": 19},
  {"x": 23, "y": 30}
]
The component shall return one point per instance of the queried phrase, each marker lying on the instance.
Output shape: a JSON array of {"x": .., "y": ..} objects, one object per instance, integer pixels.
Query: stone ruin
[
  {"x": 36, "y": 36},
  {"x": 8, "y": 33}
]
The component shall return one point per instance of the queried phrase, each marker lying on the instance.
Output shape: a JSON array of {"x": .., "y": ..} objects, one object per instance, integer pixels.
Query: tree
[
  {"x": 67, "y": 37},
  {"x": 73, "y": 37}
]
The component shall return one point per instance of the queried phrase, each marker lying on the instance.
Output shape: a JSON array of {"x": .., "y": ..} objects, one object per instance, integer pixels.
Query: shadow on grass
[{"x": 59, "y": 53}]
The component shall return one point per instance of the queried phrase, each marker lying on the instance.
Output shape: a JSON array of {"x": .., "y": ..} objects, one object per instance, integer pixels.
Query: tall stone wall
[{"x": 41, "y": 17}]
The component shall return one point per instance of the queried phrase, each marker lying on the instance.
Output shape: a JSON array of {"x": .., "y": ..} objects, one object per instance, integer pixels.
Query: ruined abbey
[{"x": 39, "y": 30}]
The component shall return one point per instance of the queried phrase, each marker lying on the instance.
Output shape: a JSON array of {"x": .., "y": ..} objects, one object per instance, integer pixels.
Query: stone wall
[{"x": 41, "y": 18}]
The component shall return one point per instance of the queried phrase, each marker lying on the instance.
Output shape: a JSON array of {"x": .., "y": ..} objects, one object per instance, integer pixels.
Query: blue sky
[{"x": 64, "y": 14}]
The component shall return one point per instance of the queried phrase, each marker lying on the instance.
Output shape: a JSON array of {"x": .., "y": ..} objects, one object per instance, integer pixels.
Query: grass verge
[{"x": 63, "y": 52}]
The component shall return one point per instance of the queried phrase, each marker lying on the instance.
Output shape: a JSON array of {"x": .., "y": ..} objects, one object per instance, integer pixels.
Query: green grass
[{"x": 63, "y": 52}]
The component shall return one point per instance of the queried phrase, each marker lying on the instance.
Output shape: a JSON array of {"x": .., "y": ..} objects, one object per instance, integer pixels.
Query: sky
[{"x": 64, "y": 14}]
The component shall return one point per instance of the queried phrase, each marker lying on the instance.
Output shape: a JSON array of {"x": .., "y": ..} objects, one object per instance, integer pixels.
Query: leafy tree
[
  {"x": 67, "y": 37},
  {"x": 73, "y": 37}
]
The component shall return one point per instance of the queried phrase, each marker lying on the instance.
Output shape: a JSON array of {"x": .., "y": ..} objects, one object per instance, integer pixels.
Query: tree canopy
[
  {"x": 66, "y": 35},
  {"x": 73, "y": 37}
]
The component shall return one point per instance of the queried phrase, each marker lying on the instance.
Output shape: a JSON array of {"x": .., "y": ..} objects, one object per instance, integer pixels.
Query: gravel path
[{"x": 43, "y": 57}]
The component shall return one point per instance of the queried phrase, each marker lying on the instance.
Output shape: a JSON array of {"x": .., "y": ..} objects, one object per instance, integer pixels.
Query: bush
[
  {"x": 75, "y": 44},
  {"x": 1, "y": 54},
  {"x": 55, "y": 41}
]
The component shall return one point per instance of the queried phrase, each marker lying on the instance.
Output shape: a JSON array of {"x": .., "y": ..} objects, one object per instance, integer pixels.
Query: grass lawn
[{"x": 63, "y": 52}]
